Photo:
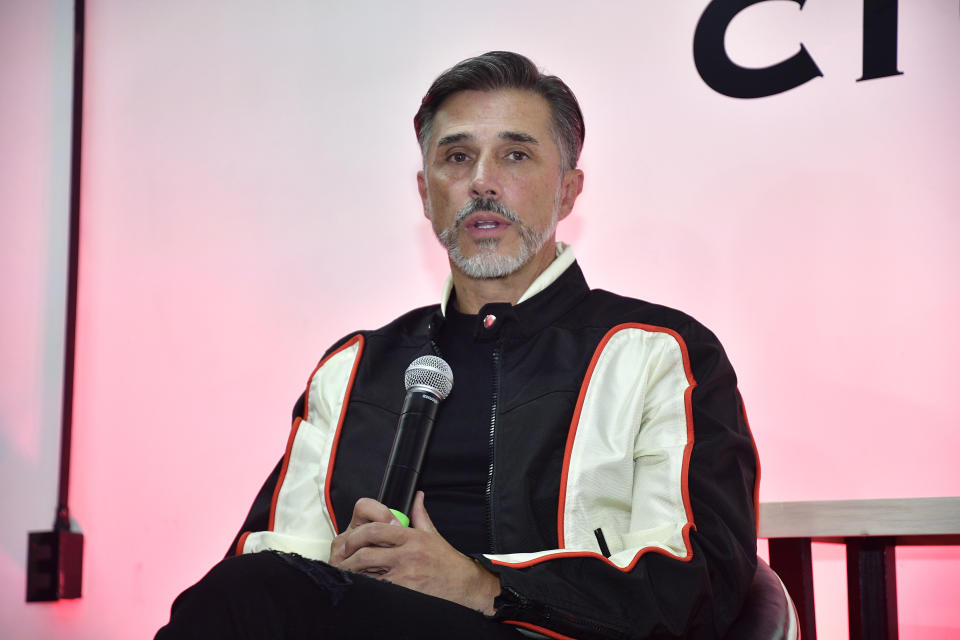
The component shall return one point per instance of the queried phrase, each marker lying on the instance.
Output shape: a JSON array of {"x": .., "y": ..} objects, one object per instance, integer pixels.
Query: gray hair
[{"x": 506, "y": 70}]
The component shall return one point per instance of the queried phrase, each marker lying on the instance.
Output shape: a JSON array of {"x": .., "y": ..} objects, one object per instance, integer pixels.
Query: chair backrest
[{"x": 768, "y": 612}]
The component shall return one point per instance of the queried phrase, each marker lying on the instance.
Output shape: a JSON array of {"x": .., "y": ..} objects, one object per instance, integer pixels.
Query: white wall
[{"x": 249, "y": 197}]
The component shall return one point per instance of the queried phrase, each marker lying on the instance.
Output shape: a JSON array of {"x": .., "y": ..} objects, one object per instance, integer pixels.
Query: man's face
[{"x": 492, "y": 185}]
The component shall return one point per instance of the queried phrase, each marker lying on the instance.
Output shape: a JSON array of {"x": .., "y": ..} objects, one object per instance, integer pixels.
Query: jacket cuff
[{"x": 515, "y": 603}]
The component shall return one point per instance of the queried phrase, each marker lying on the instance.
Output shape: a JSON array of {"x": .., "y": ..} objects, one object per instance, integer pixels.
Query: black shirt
[{"x": 454, "y": 477}]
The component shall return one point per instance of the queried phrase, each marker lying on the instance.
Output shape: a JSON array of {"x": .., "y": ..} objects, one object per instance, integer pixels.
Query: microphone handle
[{"x": 402, "y": 474}]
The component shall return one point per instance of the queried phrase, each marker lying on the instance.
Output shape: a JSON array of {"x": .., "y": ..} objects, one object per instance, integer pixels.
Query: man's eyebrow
[
  {"x": 514, "y": 136},
  {"x": 518, "y": 137},
  {"x": 454, "y": 138}
]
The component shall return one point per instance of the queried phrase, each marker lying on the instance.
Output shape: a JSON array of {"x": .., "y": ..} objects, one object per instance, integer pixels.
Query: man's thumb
[{"x": 419, "y": 519}]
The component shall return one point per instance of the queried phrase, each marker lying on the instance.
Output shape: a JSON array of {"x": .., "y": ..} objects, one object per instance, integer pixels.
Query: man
[{"x": 591, "y": 474}]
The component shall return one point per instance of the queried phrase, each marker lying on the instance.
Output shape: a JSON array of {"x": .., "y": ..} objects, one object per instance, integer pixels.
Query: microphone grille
[{"x": 431, "y": 374}]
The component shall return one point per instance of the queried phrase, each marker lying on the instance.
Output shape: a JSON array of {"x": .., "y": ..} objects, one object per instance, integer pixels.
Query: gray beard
[{"x": 488, "y": 262}]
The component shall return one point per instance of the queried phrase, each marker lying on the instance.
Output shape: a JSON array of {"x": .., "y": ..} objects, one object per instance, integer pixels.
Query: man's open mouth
[{"x": 485, "y": 221}]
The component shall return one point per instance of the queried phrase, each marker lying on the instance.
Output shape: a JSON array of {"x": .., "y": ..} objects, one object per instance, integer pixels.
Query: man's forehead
[{"x": 511, "y": 114}]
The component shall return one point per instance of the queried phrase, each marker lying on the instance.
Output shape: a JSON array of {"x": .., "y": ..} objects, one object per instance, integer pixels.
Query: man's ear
[
  {"x": 422, "y": 188},
  {"x": 570, "y": 188}
]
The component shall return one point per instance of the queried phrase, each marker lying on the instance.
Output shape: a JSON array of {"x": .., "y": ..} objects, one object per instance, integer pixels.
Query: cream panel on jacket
[{"x": 301, "y": 521}]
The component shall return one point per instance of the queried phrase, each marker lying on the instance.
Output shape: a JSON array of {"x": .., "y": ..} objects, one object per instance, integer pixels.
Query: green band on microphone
[{"x": 402, "y": 517}]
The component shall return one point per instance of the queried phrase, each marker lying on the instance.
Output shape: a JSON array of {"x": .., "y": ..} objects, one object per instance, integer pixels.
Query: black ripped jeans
[{"x": 272, "y": 595}]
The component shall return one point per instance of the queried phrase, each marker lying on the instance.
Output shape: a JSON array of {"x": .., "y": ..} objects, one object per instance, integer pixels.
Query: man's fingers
[
  {"x": 369, "y": 510},
  {"x": 365, "y": 511},
  {"x": 370, "y": 560},
  {"x": 372, "y": 534}
]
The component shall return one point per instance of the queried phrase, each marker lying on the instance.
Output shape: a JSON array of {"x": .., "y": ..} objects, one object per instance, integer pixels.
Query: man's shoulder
[
  {"x": 608, "y": 312},
  {"x": 414, "y": 323},
  {"x": 603, "y": 308},
  {"x": 412, "y": 327}
]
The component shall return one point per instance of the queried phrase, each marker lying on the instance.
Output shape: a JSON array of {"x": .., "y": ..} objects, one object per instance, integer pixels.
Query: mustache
[{"x": 485, "y": 204}]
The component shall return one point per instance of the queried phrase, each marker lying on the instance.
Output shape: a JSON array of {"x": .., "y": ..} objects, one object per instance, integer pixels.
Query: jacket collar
[
  {"x": 553, "y": 293},
  {"x": 563, "y": 260}
]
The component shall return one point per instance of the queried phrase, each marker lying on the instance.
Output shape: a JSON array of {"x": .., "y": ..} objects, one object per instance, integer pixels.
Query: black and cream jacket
[{"x": 623, "y": 476}]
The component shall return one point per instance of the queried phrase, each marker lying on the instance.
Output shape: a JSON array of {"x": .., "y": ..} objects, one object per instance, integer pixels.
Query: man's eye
[
  {"x": 457, "y": 157},
  {"x": 517, "y": 155}
]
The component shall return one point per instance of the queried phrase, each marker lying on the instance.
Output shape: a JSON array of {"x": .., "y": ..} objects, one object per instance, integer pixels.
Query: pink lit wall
[{"x": 249, "y": 197}]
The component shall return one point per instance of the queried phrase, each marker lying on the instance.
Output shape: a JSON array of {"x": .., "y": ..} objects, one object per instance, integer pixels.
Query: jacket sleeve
[
  {"x": 292, "y": 511},
  {"x": 682, "y": 546}
]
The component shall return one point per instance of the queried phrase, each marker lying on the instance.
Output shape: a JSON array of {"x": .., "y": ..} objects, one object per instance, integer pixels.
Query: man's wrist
[{"x": 486, "y": 590}]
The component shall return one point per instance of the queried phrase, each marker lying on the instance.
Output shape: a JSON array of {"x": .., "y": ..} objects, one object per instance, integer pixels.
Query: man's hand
[{"x": 418, "y": 557}]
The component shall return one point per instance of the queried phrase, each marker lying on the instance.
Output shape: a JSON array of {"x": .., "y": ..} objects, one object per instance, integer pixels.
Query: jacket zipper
[{"x": 492, "y": 443}]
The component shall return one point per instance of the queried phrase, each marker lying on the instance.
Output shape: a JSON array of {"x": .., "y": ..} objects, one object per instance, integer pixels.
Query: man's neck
[{"x": 473, "y": 293}]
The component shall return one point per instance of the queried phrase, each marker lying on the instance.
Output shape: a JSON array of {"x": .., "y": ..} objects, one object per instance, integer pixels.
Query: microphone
[{"x": 428, "y": 380}]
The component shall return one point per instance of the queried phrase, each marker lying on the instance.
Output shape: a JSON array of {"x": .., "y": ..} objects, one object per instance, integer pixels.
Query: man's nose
[{"x": 485, "y": 183}]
